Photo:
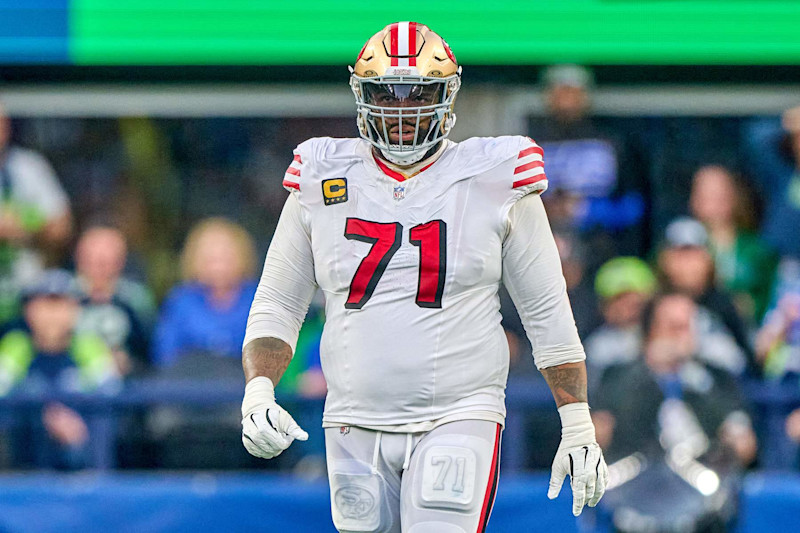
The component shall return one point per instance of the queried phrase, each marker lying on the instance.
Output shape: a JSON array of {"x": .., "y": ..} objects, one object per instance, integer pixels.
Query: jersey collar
[{"x": 396, "y": 174}]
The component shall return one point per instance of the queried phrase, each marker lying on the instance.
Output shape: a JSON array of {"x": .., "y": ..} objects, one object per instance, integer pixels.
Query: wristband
[
  {"x": 257, "y": 392},
  {"x": 577, "y": 428}
]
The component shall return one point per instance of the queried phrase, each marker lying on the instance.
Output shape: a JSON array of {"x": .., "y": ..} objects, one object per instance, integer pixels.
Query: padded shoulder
[
  {"x": 529, "y": 176},
  {"x": 526, "y": 174},
  {"x": 481, "y": 154},
  {"x": 519, "y": 161},
  {"x": 319, "y": 156}
]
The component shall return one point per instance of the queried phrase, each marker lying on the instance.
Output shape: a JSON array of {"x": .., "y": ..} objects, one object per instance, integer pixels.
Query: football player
[{"x": 409, "y": 235}]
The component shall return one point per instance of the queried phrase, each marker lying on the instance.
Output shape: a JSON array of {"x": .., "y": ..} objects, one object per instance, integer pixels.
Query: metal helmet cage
[{"x": 374, "y": 120}]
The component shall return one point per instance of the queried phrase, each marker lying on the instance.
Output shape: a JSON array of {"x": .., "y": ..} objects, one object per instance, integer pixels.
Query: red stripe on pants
[{"x": 491, "y": 487}]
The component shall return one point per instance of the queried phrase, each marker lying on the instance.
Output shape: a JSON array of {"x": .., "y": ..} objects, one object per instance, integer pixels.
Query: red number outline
[
  {"x": 372, "y": 267},
  {"x": 431, "y": 238}
]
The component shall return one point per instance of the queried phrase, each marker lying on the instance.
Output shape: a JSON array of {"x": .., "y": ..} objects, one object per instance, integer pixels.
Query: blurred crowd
[{"x": 131, "y": 249}]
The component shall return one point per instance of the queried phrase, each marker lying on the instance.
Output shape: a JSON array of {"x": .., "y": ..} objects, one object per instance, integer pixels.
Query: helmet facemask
[{"x": 405, "y": 116}]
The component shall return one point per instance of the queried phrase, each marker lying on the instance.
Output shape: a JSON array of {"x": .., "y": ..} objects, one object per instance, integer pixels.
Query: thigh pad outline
[
  {"x": 449, "y": 475},
  {"x": 358, "y": 502}
]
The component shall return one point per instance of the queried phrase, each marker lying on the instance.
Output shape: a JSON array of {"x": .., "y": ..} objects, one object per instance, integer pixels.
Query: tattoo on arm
[
  {"x": 567, "y": 382},
  {"x": 266, "y": 357}
]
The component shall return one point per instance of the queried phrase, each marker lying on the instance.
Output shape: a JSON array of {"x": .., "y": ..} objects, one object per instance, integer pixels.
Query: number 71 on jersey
[{"x": 385, "y": 237}]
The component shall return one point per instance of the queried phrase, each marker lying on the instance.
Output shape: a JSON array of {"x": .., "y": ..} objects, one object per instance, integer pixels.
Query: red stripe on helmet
[
  {"x": 393, "y": 43},
  {"x": 449, "y": 52},
  {"x": 361, "y": 53},
  {"x": 412, "y": 44}
]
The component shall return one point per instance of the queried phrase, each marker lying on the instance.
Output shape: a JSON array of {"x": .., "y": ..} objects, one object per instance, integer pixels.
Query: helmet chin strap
[
  {"x": 404, "y": 158},
  {"x": 411, "y": 157},
  {"x": 417, "y": 162}
]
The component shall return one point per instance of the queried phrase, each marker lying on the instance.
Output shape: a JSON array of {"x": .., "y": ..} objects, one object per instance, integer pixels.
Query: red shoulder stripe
[
  {"x": 297, "y": 158},
  {"x": 293, "y": 171},
  {"x": 528, "y": 166},
  {"x": 531, "y": 150},
  {"x": 528, "y": 181},
  {"x": 293, "y": 185}
]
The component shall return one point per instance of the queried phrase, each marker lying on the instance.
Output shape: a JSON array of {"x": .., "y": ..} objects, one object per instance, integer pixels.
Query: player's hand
[
  {"x": 267, "y": 429},
  {"x": 580, "y": 457}
]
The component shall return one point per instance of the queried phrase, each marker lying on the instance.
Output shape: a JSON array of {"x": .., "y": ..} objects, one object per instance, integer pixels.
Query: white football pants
[{"x": 442, "y": 481}]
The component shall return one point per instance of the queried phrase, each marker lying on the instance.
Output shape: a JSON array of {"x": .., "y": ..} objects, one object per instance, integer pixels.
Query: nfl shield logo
[{"x": 399, "y": 192}]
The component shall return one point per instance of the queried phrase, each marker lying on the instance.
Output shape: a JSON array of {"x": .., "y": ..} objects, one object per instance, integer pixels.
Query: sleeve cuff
[
  {"x": 265, "y": 329},
  {"x": 558, "y": 355}
]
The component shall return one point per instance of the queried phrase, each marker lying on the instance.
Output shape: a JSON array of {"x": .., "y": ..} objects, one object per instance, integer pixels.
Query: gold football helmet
[{"x": 405, "y": 81}]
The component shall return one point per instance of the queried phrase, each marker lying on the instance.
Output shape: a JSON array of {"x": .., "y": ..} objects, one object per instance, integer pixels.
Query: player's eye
[
  {"x": 428, "y": 96},
  {"x": 384, "y": 98}
]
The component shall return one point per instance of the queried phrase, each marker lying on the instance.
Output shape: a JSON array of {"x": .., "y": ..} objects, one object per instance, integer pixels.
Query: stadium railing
[{"x": 770, "y": 402}]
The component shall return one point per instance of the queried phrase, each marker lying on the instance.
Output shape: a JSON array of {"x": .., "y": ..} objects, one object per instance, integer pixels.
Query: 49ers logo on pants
[{"x": 334, "y": 191}]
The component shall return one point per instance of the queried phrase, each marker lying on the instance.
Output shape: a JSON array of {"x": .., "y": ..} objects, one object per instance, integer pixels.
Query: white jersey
[{"x": 410, "y": 272}]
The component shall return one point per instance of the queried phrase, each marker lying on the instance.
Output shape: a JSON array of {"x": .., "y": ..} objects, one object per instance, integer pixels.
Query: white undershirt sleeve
[
  {"x": 532, "y": 274},
  {"x": 287, "y": 282}
]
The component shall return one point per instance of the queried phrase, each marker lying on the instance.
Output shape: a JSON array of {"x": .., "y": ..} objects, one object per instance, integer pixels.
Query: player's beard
[
  {"x": 405, "y": 128},
  {"x": 407, "y": 131},
  {"x": 409, "y": 127}
]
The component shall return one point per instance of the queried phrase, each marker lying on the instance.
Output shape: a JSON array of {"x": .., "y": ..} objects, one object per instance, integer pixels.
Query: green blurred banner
[{"x": 320, "y": 32}]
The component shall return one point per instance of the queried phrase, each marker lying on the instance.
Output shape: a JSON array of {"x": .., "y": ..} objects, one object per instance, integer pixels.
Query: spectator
[
  {"x": 624, "y": 286},
  {"x": 669, "y": 372},
  {"x": 584, "y": 305},
  {"x": 686, "y": 266},
  {"x": 199, "y": 335},
  {"x": 541, "y": 430},
  {"x": 774, "y": 155},
  {"x": 119, "y": 310},
  {"x": 596, "y": 186},
  {"x": 207, "y": 313},
  {"x": 581, "y": 296},
  {"x": 35, "y": 218},
  {"x": 744, "y": 265},
  {"x": 666, "y": 418},
  {"x": 778, "y": 341},
  {"x": 793, "y": 426},
  {"x": 45, "y": 353}
]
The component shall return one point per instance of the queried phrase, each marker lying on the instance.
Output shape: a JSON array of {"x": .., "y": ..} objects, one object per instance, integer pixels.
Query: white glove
[
  {"x": 267, "y": 429},
  {"x": 580, "y": 456}
]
